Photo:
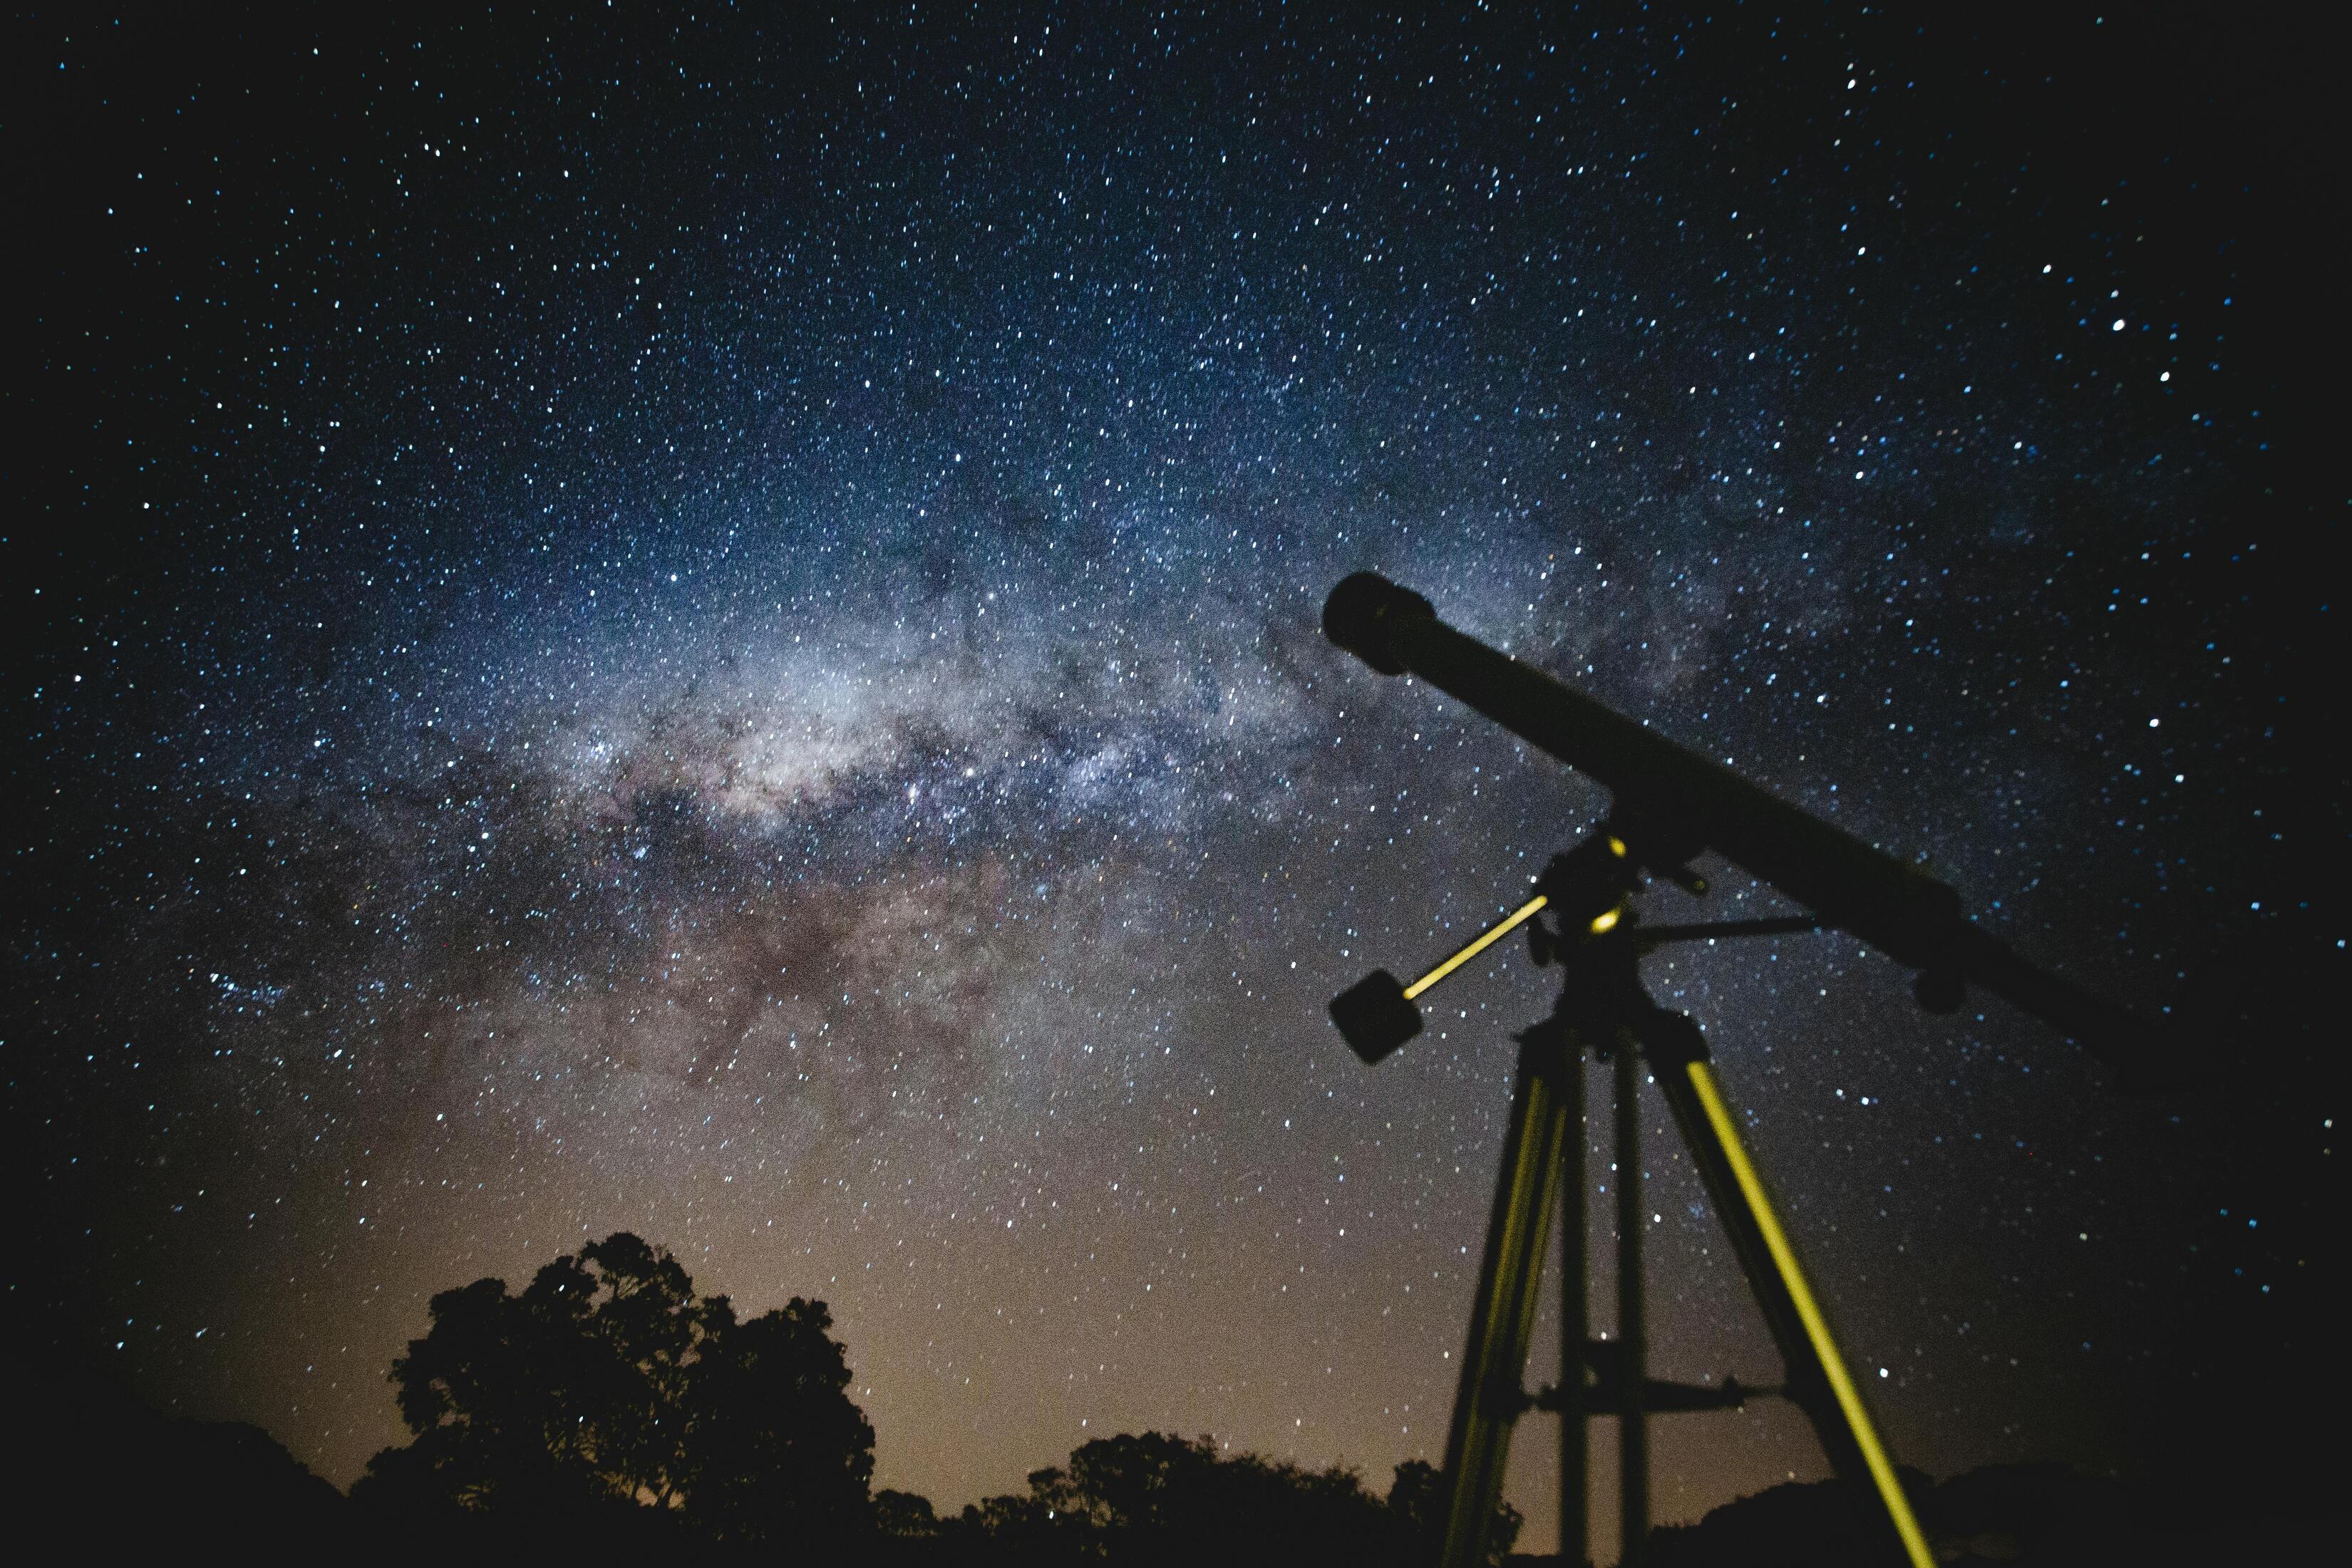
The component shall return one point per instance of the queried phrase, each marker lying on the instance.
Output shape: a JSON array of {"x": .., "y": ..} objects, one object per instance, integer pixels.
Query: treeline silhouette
[
  {"x": 609, "y": 1406},
  {"x": 610, "y": 1394}
]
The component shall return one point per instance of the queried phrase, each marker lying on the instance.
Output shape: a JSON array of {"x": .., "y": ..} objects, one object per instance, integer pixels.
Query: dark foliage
[
  {"x": 780, "y": 1450},
  {"x": 1153, "y": 1500},
  {"x": 118, "y": 1478},
  {"x": 608, "y": 1406},
  {"x": 609, "y": 1391}
]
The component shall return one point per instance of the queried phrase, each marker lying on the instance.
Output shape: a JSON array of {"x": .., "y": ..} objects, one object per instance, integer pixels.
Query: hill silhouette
[
  {"x": 2029, "y": 1515},
  {"x": 117, "y": 1476}
]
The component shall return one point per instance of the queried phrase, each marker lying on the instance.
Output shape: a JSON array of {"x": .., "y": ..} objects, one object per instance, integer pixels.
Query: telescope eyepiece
[{"x": 1358, "y": 614}]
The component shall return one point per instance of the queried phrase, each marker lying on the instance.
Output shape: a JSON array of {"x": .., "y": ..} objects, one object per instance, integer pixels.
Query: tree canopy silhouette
[
  {"x": 1154, "y": 1499},
  {"x": 608, "y": 1385}
]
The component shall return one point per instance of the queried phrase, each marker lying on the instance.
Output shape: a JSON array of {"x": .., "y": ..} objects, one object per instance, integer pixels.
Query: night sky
[{"x": 710, "y": 627}]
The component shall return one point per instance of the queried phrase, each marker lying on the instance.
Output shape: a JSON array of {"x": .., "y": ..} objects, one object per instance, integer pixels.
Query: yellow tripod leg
[{"x": 1758, "y": 1203}]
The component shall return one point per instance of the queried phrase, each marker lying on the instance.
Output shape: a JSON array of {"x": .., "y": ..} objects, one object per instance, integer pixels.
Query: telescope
[
  {"x": 1668, "y": 806},
  {"x": 1686, "y": 803}
]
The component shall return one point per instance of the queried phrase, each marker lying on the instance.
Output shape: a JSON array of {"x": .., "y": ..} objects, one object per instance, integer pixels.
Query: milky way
[{"x": 712, "y": 630}]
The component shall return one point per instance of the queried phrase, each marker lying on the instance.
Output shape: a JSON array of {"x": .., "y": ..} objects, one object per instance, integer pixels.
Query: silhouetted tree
[
  {"x": 1417, "y": 1495},
  {"x": 778, "y": 1449},
  {"x": 1133, "y": 1485},
  {"x": 1154, "y": 1499},
  {"x": 609, "y": 1387},
  {"x": 905, "y": 1515},
  {"x": 1417, "y": 1500}
]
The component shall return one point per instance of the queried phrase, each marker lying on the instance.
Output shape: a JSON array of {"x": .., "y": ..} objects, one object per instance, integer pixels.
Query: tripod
[{"x": 1603, "y": 1010}]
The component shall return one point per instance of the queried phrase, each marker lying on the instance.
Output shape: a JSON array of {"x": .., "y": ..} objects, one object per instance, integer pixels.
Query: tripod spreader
[{"x": 1605, "y": 1394}]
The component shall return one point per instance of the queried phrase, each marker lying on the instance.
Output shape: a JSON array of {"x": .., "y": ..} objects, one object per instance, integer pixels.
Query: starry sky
[{"x": 709, "y": 626}]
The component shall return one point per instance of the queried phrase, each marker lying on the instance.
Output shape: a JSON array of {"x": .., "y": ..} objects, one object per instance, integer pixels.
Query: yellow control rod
[
  {"x": 1809, "y": 1312},
  {"x": 1485, "y": 940}
]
